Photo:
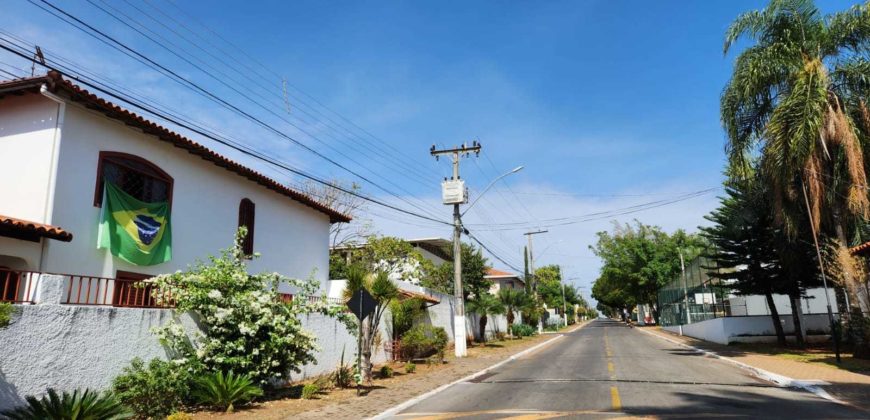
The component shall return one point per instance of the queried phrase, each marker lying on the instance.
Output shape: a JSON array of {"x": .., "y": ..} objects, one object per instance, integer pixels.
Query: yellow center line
[
  {"x": 610, "y": 367},
  {"x": 614, "y": 399}
]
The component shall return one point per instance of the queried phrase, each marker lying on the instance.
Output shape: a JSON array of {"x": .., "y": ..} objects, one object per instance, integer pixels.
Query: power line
[
  {"x": 230, "y": 143},
  {"x": 127, "y": 50}
]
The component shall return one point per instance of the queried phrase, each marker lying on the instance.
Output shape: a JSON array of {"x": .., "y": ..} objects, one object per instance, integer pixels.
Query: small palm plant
[
  {"x": 513, "y": 300},
  {"x": 224, "y": 391},
  {"x": 484, "y": 306},
  {"x": 79, "y": 405}
]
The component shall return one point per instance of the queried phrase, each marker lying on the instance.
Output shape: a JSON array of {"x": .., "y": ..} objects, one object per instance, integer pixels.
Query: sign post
[{"x": 362, "y": 304}]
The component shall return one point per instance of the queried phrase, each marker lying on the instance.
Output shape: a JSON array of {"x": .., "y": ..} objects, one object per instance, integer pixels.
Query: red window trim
[{"x": 98, "y": 188}]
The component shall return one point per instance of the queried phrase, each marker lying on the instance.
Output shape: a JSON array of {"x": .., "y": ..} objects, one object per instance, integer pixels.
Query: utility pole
[
  {"x": 453, "y": 192},
  {"x": 532, "y": 272},
  {"x": 685, "y": 290}
]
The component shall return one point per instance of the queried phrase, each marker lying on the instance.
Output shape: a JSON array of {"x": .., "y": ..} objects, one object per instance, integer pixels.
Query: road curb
[
  {"x": 397, "y": 408},
  {"x": 810, "y": 386}
]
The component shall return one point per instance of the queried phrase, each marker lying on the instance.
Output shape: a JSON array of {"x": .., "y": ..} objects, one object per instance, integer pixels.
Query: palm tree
[
  {"x": 384, "y": 291},
  {"x": 796, "y": 100},
  {"x": 484, "y": 305},
  {"x": 513, "y": 300}
]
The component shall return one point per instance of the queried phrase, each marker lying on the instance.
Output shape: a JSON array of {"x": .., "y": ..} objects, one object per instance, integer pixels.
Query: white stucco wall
[
  {"x": 68, "y": 347},
  {"x": 292, "y": 238},
  {"x": 27, "y": 141},
  {"x": 813, "y": 303},
  {"x": 748, "y": 328}
]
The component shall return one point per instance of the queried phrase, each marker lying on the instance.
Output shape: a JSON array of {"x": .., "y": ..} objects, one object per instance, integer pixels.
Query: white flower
[
  {"x": 215, "y": 294},
  {"x": 246, "y": 330}
]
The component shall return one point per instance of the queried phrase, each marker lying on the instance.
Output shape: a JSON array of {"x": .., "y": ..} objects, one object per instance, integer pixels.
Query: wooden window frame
[
  {"x": 247, "y": 207},
  {"x": 118, "y": 158}
]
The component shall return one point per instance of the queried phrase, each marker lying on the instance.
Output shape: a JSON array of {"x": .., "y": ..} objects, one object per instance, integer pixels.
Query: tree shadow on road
[{"x": 742, "y": 404}]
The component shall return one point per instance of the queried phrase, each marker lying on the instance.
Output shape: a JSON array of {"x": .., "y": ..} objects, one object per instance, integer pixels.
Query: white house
[
  {"x": 78, "y": 321},
  {"x": 503, "y": 280},
  {"x": 58, "y": 143}
]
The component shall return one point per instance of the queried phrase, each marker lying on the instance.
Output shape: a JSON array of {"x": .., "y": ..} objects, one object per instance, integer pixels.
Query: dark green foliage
[
  {"x": 514, "y": 300},
  {"x": 80, "y": 405},
  {"x": 222, "y": 391},
  {"x": 523, "y": 330},
  {"x": 404, "y": 312},
  {"x": 484, "y": 305},
  {"x": 637, "y": 261},
  {"x": 386, "y": 371},
  {"x": 474, "y": 266},
  {"x": 155, "y": 390},
  {"x": 6, "y": 311},
  {"x": 423, "y": 341}
]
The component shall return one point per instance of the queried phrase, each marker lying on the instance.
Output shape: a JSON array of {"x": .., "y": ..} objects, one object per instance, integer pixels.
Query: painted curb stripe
[{"x": 783, "y": 381}]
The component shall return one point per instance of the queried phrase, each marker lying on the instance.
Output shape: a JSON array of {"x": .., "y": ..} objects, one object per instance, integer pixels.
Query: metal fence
[{"x": 694, "y": 296}]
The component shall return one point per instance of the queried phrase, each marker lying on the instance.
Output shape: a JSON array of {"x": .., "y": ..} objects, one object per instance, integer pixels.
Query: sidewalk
[
  {"x": 852, "y": 388},
  {"x": 386, "y": 393}
]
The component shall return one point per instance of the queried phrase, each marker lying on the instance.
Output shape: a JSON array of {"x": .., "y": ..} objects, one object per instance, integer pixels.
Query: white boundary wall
[
  {"x": 750, "y": 328},
  {"x": 67, "y": 347}
]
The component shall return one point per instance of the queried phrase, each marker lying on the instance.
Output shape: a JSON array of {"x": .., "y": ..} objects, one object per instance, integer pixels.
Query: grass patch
[{"x": 813, "y": 353}]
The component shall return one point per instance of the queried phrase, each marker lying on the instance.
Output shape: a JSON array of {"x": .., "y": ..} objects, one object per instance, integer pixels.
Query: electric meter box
[{"x": 454, "y": 192}]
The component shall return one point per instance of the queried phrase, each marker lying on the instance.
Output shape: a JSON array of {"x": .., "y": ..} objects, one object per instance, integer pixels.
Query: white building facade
[{"x": 79, "y": 325}]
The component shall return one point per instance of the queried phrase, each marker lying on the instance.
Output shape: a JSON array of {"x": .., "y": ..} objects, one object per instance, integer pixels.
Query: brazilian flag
[{"x": 134, "y": 231}]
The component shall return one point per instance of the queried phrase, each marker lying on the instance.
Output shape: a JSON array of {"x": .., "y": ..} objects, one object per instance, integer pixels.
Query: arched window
[
  {"x": 246, "y": 218},
  {"x": 138, "y": 177}
]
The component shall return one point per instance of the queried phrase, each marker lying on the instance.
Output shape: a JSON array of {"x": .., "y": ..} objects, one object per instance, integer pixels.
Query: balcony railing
[
  {"x": 17, "y": 286},
  {"x": 22, "y": 286},
  {"x": 122, "y": 293}
]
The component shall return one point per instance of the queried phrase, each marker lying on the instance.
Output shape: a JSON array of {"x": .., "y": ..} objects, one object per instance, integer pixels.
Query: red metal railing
[
  {"x": 102, "y": 291},
  {"x": 17, "y": 286}
]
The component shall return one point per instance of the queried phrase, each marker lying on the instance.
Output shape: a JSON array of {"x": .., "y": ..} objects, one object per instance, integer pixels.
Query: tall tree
[
  {"x": 797, "y": 100},
  {"x": 474, "y": 266},
  {"x": 637, "y": 260},
  {"x": 743, "y": 240}
]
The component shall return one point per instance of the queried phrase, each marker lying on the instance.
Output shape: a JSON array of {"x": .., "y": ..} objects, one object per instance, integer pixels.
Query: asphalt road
[{"x": 607, "y": 370}]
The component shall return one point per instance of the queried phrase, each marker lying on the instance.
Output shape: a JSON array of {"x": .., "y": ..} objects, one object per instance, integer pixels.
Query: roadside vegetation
[{"x": 797, "y": 122}]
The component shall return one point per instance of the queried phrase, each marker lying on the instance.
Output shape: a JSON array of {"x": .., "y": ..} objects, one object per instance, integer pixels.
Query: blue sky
[{"x": 607, "y": 103}]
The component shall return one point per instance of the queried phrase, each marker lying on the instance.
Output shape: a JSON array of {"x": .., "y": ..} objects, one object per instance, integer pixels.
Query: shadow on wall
[{"x": 8, "y": 393}]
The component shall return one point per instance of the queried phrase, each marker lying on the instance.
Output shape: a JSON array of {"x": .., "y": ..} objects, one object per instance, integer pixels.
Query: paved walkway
[{"x": 853, "y": 388}]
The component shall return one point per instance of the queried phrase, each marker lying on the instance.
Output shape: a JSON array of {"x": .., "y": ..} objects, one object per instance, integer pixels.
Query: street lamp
[{"x": 513, "y": 171}]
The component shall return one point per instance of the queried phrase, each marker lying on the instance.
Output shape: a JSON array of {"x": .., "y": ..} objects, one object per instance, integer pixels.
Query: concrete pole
[{"x": 459, "y": 312}]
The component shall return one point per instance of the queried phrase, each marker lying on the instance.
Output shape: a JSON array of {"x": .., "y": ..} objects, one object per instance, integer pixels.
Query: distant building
[{"x": 503, "y": 280}]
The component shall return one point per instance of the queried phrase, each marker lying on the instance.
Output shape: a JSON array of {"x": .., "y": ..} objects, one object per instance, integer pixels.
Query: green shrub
[
  {"x": 155, "y": 390},
  {"x": 309, "y": 391},
  {"x": 386, "y": 372},
  {"x": 6, "y": 311},
  {"x": 179, "y": 415},
  {"x": 224, "y": 391},
  {"x": 423, "y": 341},
  {"x": 342, "y": 377},
  {"x": 85, "y": 404},
  {"x": 523, "y": 330},
  {"x": 410, "y": 367}
]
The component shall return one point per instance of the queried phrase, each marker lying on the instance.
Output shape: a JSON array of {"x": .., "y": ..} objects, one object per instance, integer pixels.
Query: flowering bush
[{"x": 246, "y": 327}]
